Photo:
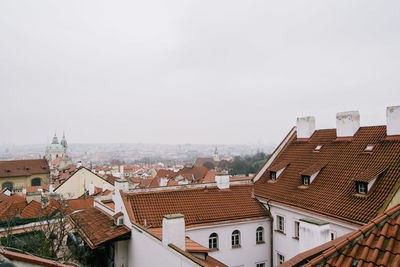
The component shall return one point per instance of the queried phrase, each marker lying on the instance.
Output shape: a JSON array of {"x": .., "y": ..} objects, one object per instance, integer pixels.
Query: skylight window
[
  {"x": 318, "y": 147},
  {"x": 369, "y": 148}
]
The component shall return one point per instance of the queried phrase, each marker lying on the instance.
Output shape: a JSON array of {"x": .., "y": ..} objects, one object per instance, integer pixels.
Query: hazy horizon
[{"x": 198, "y": 72}]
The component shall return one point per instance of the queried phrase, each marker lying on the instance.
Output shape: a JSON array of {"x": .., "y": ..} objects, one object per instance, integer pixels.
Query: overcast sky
[{"x": 170, "y": 71}]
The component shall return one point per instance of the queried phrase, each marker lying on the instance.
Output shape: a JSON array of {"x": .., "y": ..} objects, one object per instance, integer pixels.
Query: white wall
[
  {"x": 248, "y": 254},
  {"x": 121, "y": 253},
  {"x": 288, "y": 246},
  {"x": 145, "y": 250}
]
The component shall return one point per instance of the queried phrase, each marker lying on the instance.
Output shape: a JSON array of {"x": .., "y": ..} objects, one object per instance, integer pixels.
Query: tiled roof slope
[
  {"x": 97, "y": 227},
  {"x": 13, "y": 168},
  {"x": 333, "y": 191},
  {"x": 199, "y": 205},
  {"x": 374, "y": 244}
]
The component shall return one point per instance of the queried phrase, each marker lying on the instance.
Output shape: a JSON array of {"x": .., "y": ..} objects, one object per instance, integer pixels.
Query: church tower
[{"x": 216, "y": 156}]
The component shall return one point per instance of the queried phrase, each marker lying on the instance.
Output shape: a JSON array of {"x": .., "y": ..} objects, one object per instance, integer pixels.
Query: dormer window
[
  {"x": 272, "y": 175},
  {"x": 305, "y": 179},
  {"x": 362, "y": 187}
]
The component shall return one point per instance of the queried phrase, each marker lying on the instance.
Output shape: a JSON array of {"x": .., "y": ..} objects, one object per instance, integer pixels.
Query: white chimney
[
  {"x": 393, "y": 120},
  {"x": 347, "y": 123},
  {"x": 51, "y": 188},
  {"x": 312, "y": 233},
  {"x": 222, "y": 181},
  {"x": 36, "y": 195},
  {"x": 121, "y": 184},
  {"x": 91, "y": 188},
  {"x": 305, "y": 127},
  {"x": 173, "y": 230}
]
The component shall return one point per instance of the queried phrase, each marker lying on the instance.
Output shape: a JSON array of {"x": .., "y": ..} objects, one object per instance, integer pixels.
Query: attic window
[
  {"x": 362, "y": 187},
  {"x": 272, "y": 175},
  {"x": 305, "y": 179},
  {"x": 318, "y": 148},
  {"x": 369, "y": 148}
]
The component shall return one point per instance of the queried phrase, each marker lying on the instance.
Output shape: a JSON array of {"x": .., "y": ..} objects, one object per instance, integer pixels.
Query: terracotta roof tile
[
  {"x": 23, "y": 167},
  {"x": 18, "y": 256},
  {"x": 333, "y": 191},
  {"x": 378, "y": 246},
  {"x": 32, "y": 210},
  {"x": 371, "y": 245},
  {"x": 12, "y": 206},
  {"x": 97, "y": 227},
  {"x": 199, "y": 205}
]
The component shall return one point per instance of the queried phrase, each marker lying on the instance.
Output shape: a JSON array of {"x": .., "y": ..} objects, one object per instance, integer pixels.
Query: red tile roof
[
  {"x": 13, "y": 168},
  {"x": 374, "y": 244},
  {"x": 11, "y": 206},
  {"x": 333, "y": 191},
  {"x": 32, "y": 210},
  {"x": 199, "y": 205},
  {"x": 97, "y": 227},
  {"x": 21, "y": 257},
  {"x": 198, "y": 172}
]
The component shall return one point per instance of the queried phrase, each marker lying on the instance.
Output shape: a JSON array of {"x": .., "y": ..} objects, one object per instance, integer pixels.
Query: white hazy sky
[{"x": 182, "y": 71}]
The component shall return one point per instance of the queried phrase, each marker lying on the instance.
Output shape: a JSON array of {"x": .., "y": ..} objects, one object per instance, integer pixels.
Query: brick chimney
[
  {"x": 347, "y": 123},
  {"x": 305, "y": 127},
  {"x": 222, "y": 181},
  {"x": 173, "y": 230},
  {"x": 393, "y": 120}
]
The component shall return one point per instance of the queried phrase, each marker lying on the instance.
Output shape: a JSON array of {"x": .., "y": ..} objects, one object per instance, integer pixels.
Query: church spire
[
  {"x": 64, "y": 141},
  {"x": 55, "y": 139}
]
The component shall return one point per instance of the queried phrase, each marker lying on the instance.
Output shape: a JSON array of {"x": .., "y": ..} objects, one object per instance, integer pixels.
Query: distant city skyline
[{"x": 226, "y": 72}]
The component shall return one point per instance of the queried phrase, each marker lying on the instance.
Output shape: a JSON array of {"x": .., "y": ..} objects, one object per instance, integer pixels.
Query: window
[
  {"x": 305, "y": 179},
  {"x": 260, "y": 234},
  {"x": 296, "y": 229},
  {"x": 369, "y": 148},
  {"x": 280, "y": 223},
  {"x": 318, "y": 147},
  {"x": 362, "y": 187},
  {"x": 272, "y": 175},
  {"x": 281, "y": 258},
  {"x": 333, "y": 235},
  {"x": 235, "y": 238},
  {"x": 9, "y": 185},
  {"x": 35, "y": 182},
  {"x": 213, "y": 241},
  {"x": 260, "y": 264}
]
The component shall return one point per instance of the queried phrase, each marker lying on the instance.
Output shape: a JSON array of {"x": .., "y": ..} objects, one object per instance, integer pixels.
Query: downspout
[{"x": 271, "y": 239}]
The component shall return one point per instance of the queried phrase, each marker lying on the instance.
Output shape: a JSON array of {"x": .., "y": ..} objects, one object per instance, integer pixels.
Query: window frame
[
  {"x": 213, "y": 241},
  {"x": 235, "y": 238},
  {"x": 297, "y": 229},
  {"x": 280, "y": 258},
  {"x": 360, "y": 186},
  {"x": 36, "y": 179},
  {"x": 279, "y": 219},
  {"x": 305, "y": 178},
  {"x": 260, "y": 235},
  {"x": 4, "y": 185}
]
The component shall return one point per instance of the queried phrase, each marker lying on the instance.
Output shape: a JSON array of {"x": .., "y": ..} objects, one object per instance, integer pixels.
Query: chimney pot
[
  {"x": 393, "y": 120},
  {"x": 305, "y": 127},
  {"x": 222, "y": 181},
  {"x": 347, "y": 123},
  {"x": 173, "y": 230}
]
